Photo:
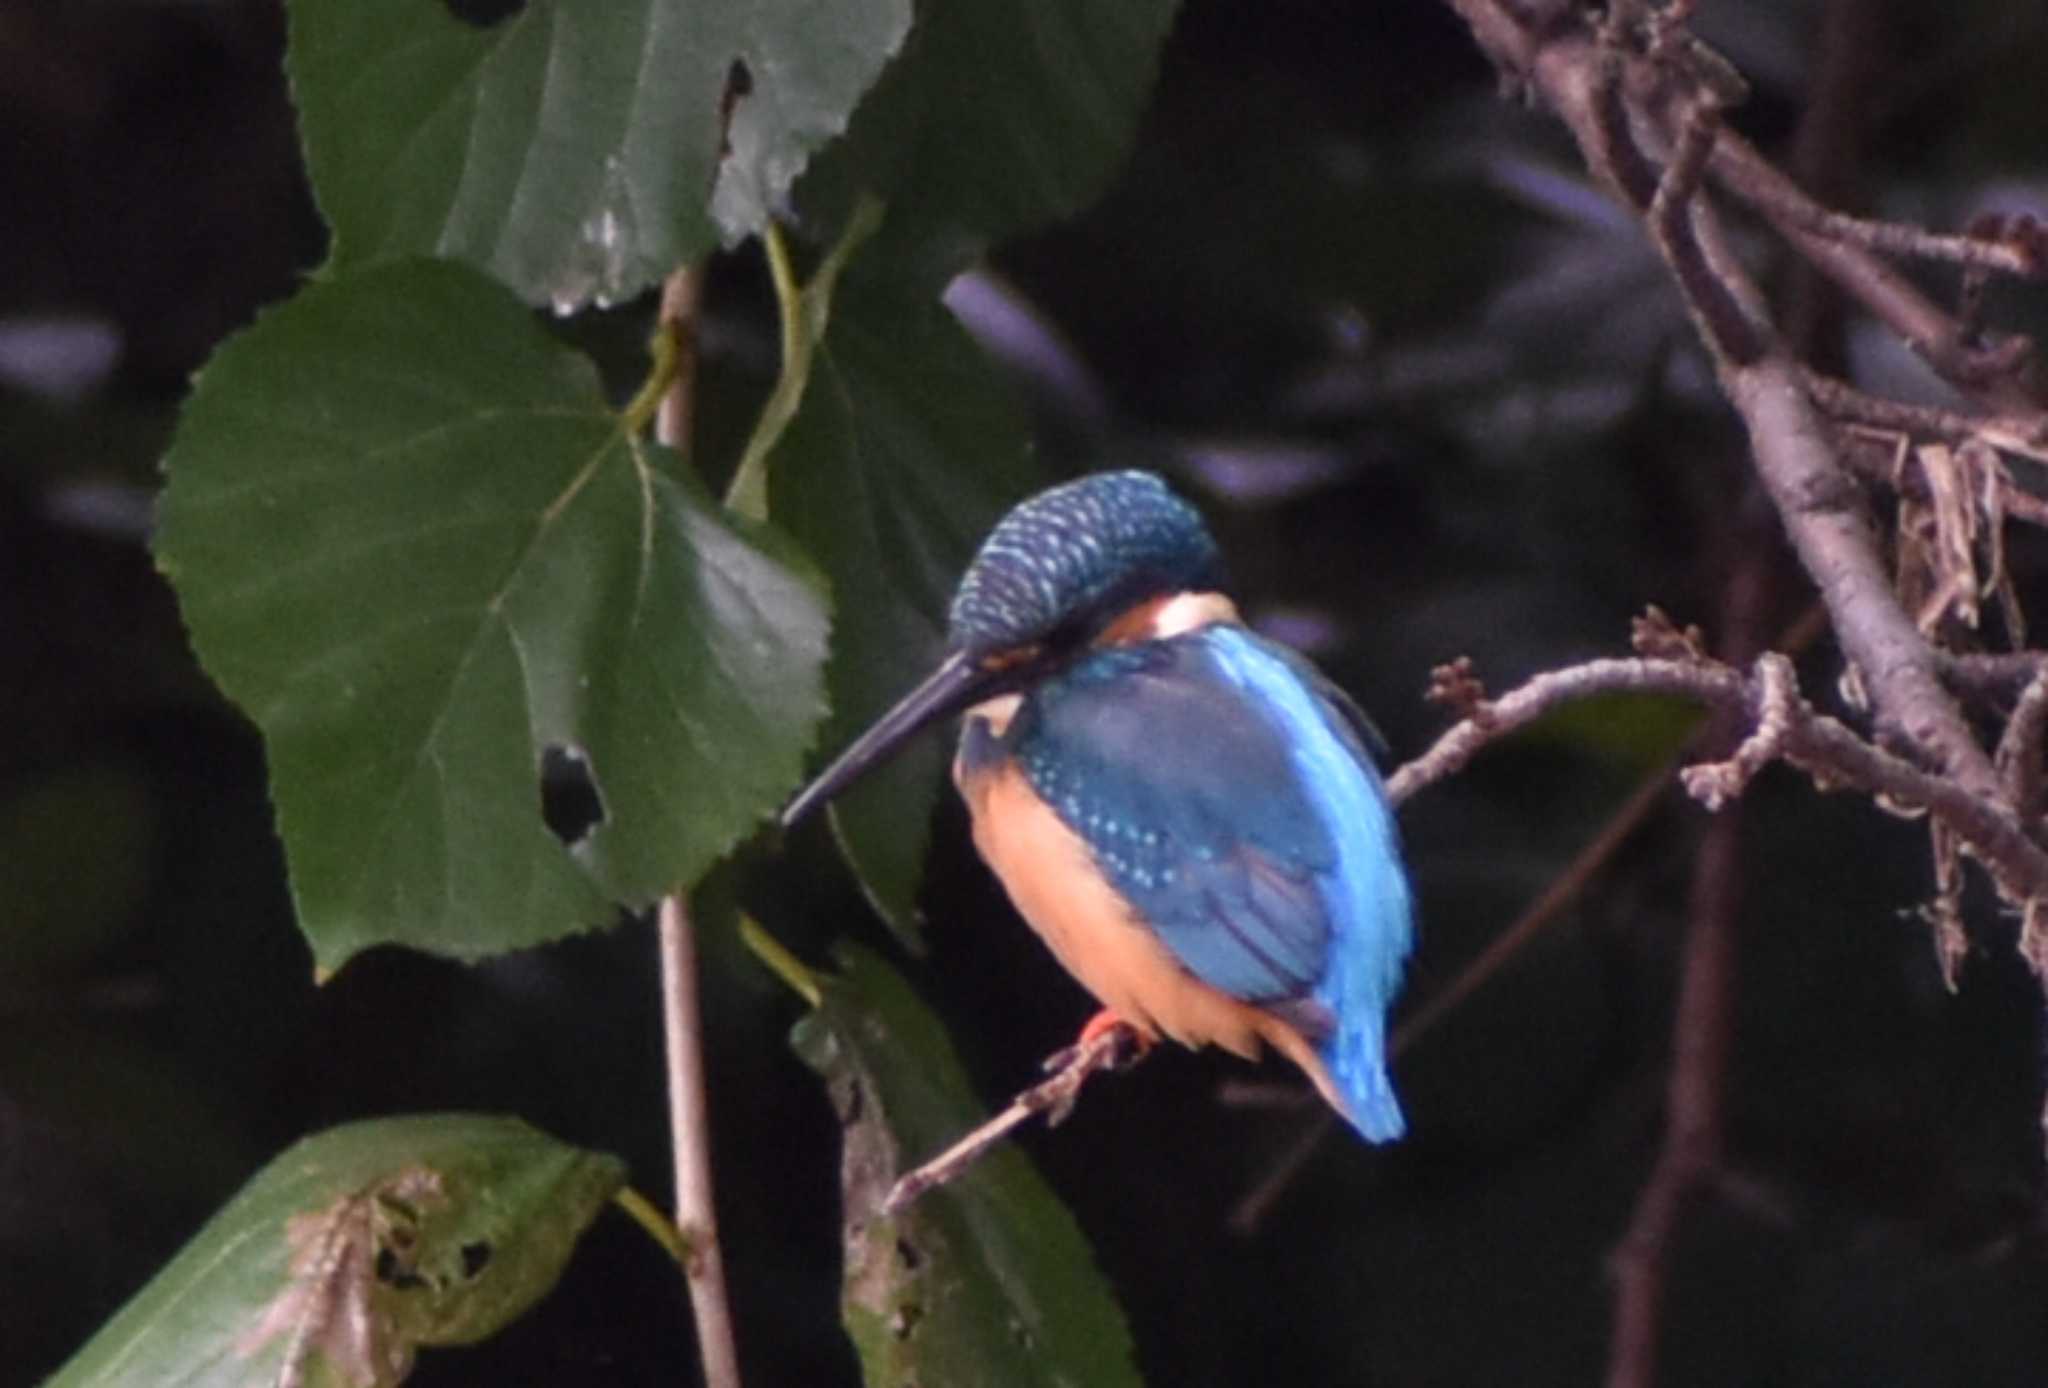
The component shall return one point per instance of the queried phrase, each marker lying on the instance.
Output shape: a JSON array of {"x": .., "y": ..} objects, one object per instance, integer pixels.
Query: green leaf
[
  {"x": 997, "y": 118},
  {"x": 411, "y": 540},
  {"x": 354, "y": 1248},
  {"x": 581, "y": 149},
  {"x": 907, "y": 449},
  {"x": 986, "y": 1281}
]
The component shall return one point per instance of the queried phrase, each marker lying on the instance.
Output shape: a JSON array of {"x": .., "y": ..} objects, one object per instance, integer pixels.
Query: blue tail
[
  {"x": 1373, "y": 930},
  {"x": 1364, "y": 892}
]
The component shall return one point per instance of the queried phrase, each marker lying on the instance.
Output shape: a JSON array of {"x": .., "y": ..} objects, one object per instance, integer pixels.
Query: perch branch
[{"x": 1054, "y": 1097}]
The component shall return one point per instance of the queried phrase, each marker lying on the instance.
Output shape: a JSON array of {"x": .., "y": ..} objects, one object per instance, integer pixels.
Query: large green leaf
[
  {"x": 997, "y": 118},
  {"x": 583, "y": 148},
  {"x": 905, "y": 451},
  {"x": 351, "y": 1250},
  {"x": 981, "y": 1283},
  {"x": 411, "y": 540}
]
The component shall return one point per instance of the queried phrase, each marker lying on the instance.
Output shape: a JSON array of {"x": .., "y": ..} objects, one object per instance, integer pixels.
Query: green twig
[
  {"x": 643, "y": 1213},
  {"x": 665, "y": 357},
  {"x": 805, "y": 311},
  {"x": 780, "y": 961}
]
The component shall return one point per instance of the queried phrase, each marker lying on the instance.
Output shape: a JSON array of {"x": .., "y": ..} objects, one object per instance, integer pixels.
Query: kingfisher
[{"x": 1186, "y": 812}]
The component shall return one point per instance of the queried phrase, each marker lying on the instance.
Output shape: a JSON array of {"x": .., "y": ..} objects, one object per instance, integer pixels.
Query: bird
[{"x": 1187, "y": 812}]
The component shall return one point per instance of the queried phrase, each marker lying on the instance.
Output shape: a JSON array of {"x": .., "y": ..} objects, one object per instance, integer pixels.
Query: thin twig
[
  {"x": 1053, "y": 1097},
  {"x": 1562, "y": 891},
  {"x": 1862, "y": 273},
  {"x": 2026, "y": 435},
  {"x": 1701, "y": 681},
  {"x": 690, "y": 1134},
  {"x": 2019, "y": 748},
  {"x": 1693, "y": 1105},
  {"x": 1785, "y": 203},
  {"x": 1251, "y": 1210},
  {"x": 1705, "y": 287},
  {"x": 1830, "y": 753},
  {"x": 681, "y": 1011},
  {"x": 1991, "y": 674},
  {"x": 1716, "y": 784},
  {"x": 682, "y": 302},
  {"x": 689, "y": 1124}
]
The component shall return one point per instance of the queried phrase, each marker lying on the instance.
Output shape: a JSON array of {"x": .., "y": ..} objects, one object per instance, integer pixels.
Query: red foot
[
  {"x": 1100, "y": 1025},
  {"x": 1133, "y": 1042}
]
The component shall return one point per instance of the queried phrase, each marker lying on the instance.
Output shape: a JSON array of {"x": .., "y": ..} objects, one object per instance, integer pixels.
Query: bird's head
[{"x": 1057, "y": 572}]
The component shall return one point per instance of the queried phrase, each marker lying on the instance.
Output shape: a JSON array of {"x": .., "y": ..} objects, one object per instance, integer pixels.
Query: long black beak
[{"x": 956, "y": 684}]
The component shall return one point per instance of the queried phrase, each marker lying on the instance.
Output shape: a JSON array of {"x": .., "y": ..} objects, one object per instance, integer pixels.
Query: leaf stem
[
  {"x": 665, "y": 354},
  {"x": 780, "y": 961},
  {"x": 804, "y": 311},
  {"x": 788, "y": 292},
  {"x": 659, "y": 1227}
]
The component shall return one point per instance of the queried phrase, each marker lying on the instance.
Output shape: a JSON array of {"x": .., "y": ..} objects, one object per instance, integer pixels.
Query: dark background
[{"x": 1438, "y": 399}]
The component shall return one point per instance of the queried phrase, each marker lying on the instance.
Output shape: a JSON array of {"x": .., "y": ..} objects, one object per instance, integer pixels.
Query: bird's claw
[{"x": 1128, "y": 1044}]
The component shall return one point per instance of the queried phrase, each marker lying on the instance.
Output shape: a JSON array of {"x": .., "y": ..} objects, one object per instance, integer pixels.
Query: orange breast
[{"x": 1056, "y": 886}]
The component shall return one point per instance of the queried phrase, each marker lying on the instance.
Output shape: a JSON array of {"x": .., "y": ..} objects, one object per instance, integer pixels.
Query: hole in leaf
[
  {"x": 739, "y": 84},
  {"x": 475, "y": 1258},
  {"x": 905, "y": 1319},
  {"x": 571, "y": 805},
  {"x": 484, "y": 13},
  {"x": 393, "y": 1270}
]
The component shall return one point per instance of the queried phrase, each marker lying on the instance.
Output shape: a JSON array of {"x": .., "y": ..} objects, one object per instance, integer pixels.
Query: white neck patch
[{"x": 1185, "y": 612}]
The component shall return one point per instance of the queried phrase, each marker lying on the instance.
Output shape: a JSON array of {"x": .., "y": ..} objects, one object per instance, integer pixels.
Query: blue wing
[{"x": 1225, "y": 789}]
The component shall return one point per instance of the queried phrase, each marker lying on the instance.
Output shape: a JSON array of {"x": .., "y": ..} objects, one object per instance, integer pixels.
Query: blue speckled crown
[{"x": 1077, "y": 549}]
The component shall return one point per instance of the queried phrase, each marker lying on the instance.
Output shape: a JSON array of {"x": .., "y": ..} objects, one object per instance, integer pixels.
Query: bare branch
[
  {"x": 1987, "y": 249},
  {"x": 1716, "y": 308},
  {"x": 681, "y": 1009},
  {"x": 2003, "y": 381},
  {"x": 1714, "y": 784},
  {"x": 1693, "y": 1105},
  {"x": 690, "y": 1135},
  {"x": 1818, "y": 503},
  {"x": 2026, "y": 435},
  {"x": 1826, "y": 520},
  {"x": 1456, "y": 748},
  {"x": 1054, "y": 1097},
  {"x": 2019, "y": 749},
  {"x": 1989, "y": 675},
  {"x": 1831, "y": 754}
]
